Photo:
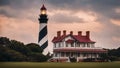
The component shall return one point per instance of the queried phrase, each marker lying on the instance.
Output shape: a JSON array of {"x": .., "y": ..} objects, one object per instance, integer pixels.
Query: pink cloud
[
  {"x": 115, "y": 22},
  {"x": 19, "y": 29}
]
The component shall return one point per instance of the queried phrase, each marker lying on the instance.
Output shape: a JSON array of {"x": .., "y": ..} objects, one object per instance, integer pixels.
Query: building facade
[{"x": 66, "y": 46}]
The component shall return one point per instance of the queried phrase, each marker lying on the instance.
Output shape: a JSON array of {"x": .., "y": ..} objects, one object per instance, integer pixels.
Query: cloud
[
  {"x": 19, "y": 29},
  {"x": 19, "y": 4},
  {"x": 19, "y": 19},
  {"x": 65, "y": 16},
  {"x": 117, "y": 10},
  {"x": 69, "y": 16},
  {"x": 4, "y": 2},
  {"x": 116, "y": 39},
  {"x": 115, "y": 22}
]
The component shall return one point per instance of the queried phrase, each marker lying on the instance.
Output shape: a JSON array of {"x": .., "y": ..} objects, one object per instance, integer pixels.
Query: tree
[
  {"x": 4, "y": 41},
  {"x": 19, "y": 46},
  {"x": 7, "y": 54},
  {"x": 39, "y": 57},
  {"x": 34, "y": 47},
  {"x": 104, "y": 57}
]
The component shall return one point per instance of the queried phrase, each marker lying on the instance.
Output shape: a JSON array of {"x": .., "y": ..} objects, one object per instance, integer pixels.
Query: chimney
[
  {"x": 88, "y": 34},
  {"x": 71, "y": 32},
  {"x": 64, "y": 32},
  {"x": 58, "y": 33},
  {"x": 79, "y": 33}
]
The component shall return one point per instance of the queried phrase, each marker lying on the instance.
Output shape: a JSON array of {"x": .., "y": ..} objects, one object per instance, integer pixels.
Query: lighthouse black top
[{"x": 43, "y": 16}]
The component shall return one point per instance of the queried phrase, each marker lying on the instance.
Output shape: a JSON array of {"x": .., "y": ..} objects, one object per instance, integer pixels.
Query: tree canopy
[{"x": 12, "y": 50}]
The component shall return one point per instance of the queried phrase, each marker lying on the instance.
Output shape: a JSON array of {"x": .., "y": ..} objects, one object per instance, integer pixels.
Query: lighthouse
[{"x": 43, "y": 38}]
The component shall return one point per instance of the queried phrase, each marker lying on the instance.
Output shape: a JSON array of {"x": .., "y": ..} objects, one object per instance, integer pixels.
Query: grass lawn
[{"x": 59, "y": 65}]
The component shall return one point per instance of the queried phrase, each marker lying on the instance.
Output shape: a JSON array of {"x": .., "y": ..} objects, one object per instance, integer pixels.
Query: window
[
  {"x": 78, "y": 54},
  {"x": 72, "y": 44},
  {"x": 59, "y": 45},
  {"x": 78, "y": 44},
  {"x": 88, "y": 44},
  {"x": 67, "y": 54},
  {"x": 62, "y": 54},
  {"x": 72, "y": 54},
  {"x": 95, "y": 55},
  {"x": 83, "y": 44},
  {"x": 55, "y": 45},
  {"x": 55, "y": 54},
  {"x": 92, "y": 45},
  {"x": 66, "y": 44},
  {"x": 84, "y": 55}
]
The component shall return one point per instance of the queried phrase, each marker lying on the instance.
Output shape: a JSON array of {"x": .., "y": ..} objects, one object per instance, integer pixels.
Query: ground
[{"x": 59, "y": 65}]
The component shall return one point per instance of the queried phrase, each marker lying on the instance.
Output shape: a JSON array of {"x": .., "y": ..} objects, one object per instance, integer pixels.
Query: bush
[{"x": 73, "y": 59}]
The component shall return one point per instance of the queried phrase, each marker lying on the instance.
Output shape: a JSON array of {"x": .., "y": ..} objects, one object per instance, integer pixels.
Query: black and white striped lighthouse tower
[{"x": 43, "y": 39}]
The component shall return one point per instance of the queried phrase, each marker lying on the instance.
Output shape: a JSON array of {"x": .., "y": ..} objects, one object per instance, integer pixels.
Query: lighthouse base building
[{"x": 79, "y": 46}]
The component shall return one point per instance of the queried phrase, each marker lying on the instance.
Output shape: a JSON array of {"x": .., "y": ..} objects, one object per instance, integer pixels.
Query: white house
[{"x": 78, "y": 46}]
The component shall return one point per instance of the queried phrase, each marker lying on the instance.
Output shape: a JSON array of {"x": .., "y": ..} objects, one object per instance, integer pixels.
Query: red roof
[
  {"x": 76, "y": 37},
  {"x": 81, "y": 50},
  {"x": 58, "y": 39},
  {"x": 70, "y": 41},
  {"x": 43, "y": 7},
  {"x": 83, "y": 38}
]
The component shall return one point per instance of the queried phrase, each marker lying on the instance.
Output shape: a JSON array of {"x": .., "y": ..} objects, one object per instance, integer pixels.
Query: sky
[{"x": 19, "y": 20}]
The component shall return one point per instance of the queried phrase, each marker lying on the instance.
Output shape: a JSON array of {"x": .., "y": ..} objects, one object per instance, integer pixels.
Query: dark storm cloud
[
  {"x": 4, "y": 2},
  {"x": 4, "y": 12},
  {"x": 18, "y": 4},
  {"x": 69, "y": 4},
  {"x": 95, "y": 4},
  {"x": 103, "y": 7},
  {"x": 106, "y": 7},
  {"x": 17, "y": 8}
]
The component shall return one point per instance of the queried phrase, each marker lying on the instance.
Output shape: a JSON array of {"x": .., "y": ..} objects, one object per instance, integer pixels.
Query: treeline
[
  {"x": 114, "y": 54},
  {"x": 12, "y": 50}
]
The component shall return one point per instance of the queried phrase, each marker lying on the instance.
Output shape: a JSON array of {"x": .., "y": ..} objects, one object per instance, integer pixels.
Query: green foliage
[
  {"x": 12, "y": 50},
  {"x": 10, "y": 55},
  {"x": 114, "y": 52},
  {"x": 19, "y": 46},
  {"x": 34, "y": 47},
  {"x": 39, "y": 57},
  {"x": 4, "y": 41}
]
